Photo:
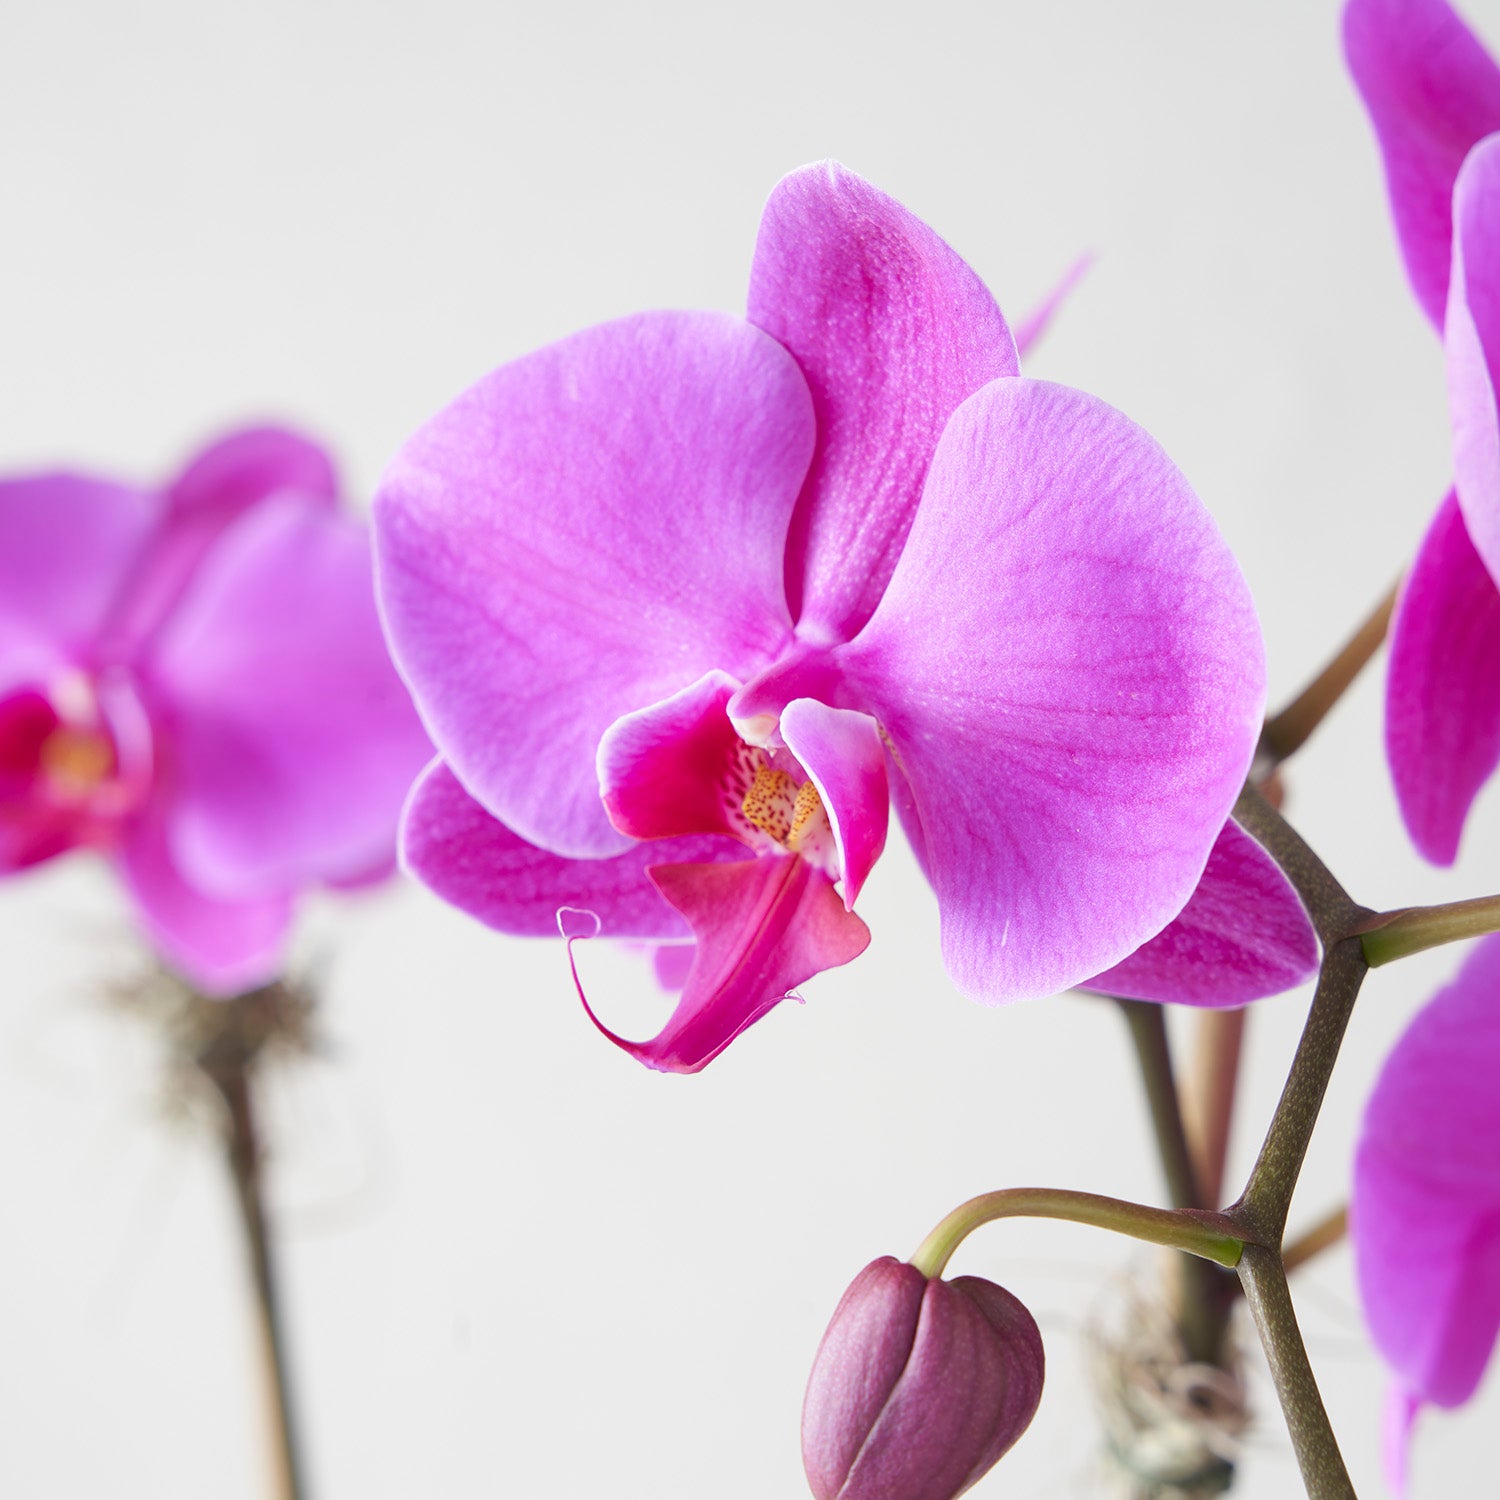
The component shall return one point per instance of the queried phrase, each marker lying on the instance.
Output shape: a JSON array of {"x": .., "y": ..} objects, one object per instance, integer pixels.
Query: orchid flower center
[
  {"x": 790, "y": 813},
  {"x": 77, "y": 750}
]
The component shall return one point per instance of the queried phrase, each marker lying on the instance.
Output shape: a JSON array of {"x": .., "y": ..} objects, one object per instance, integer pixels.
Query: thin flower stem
[
  {"x": 1399, "y": 934},
  {"x": 228, "y": 1068},
  {"x": 1268, "y": 1195},
  {"x": 1210, "y": 1235},
  {"x": 1328, "y": 1231},
  {"x": 1208, "y": 1099},
  {"x": 1148, "y": 1032},
  {"x": 1287, "y": 731},
  {"x": 1270, "y": 1303}
]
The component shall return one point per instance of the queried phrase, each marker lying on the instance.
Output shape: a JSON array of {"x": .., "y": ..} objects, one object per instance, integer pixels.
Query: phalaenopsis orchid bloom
[
  {"x": 1434, "y": 97},
  {"x": 193, "y": 682},
  {"x": 687, "y": 599}
]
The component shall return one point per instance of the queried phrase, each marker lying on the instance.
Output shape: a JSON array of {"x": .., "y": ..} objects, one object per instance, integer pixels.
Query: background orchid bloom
[
  {"x": 1425, "y": 1212},
  {"x": 1434, "y": 97},
  {"x": 193, "y": 682},
  {"x": 686, "y": 599}
]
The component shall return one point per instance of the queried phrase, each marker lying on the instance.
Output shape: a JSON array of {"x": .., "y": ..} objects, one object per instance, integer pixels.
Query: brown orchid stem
[
  {"x": 1201, "y": 1293},
  {"x": 1328, "y": 1231},
  {"x": 1198, "y": 1233},
  {"x": 226, "y": 1063},
  {"x": 1208, "y": 1098},
  {"x": 1148, "y": 1032},
  {"x": 1399, "y": 934},
  {"x": 1287, "y": 731},
  {"x": 1263, "y": 1206}
]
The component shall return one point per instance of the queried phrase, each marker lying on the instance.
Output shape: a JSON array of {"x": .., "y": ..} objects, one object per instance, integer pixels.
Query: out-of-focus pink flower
[
  {"x": 919, "y": 1386},
  {"x": 1434, "y": 96},
  {"x": 1424, "y": 1216},
  {"x": 193, "y": 681},
  {"x": 686, "y": 599}
]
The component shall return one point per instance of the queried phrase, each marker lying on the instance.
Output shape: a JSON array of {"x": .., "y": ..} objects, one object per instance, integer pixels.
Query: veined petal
[
  {"x": 892, "y": 330},
  {"x": 1442, "y": 696},
  {"x": 1242, "y": 936},
  {"x": 842, "y": 753},
  {"x": 1069, "y": 670},
  {"x": 763, "y": 926},
  {"x": 1432, "y": 91},
  {"x": 1424, "y": 1216},
  {"x": 222, "y": 947},
  {"x": 1471, "y": 341},
  {"x": 474, "y": 862},
  {"x": 70, "y": 542},
  {"x": 293, "y": 742},
  {"x": 585, "y": 532}
]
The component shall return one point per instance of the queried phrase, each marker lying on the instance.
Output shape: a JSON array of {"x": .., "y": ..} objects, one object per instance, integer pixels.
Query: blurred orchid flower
[
  {"x": 1424, "y": 1216},
  {"x": 1433, "y": 94},
  {"x": 686, "y": 599},
  {"x": 192, "y": 681}
]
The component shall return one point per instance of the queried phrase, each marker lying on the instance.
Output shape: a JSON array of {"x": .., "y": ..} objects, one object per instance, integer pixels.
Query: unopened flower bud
[{"x": 919, "y": 1386}]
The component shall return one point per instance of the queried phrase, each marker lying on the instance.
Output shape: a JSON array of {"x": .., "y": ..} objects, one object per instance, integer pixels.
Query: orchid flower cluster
[{"x": 686, "y": 602}]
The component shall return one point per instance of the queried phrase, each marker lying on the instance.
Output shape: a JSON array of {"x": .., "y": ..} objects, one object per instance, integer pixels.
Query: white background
[{"x": 517, "y": 1264}]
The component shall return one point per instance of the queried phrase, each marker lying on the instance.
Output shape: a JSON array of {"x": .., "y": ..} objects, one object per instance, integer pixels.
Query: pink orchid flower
[
  {"x": 1434, "y": 96},
  {"x": 193, "y": 681},
  {"x": 687, "y": 599},
  {"x": 1424, "y": 1215}
]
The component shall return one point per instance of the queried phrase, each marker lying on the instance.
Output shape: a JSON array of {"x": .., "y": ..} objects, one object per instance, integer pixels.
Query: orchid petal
[
  {"x": 222, "y": 947},
  {"x": 247, "y": 466},
  {"x": 1442, "y": 705},
  {"x": 1242, "y": 936},
  {"x": 892, "y": 330},
  {"x": 70, "y": 543},
  {"x": 583, "y": 533},
  {"x": 1432, "y": 91},
  {"x": 672, "y": 963},
  {"x": 1398, "y": 1420},
  {"x": 293, "y": 741},
  {"x": 1068, "y": 666},
  {"x": 763, "y": 926},
  {"x": 217, "y": 487},
  {"x": 1471, "y": 340},
  {"x": 474, "y": 862},
  {"x": 1425, "y": 1210},
  {"x": 1033, "y": 327},
  {"x": 666, "y": 770},
  {"x": 842, "y": 752}
]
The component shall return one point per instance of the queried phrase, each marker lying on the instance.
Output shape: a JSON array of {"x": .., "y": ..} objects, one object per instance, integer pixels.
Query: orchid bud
[{"x": 919, "y": 1386}]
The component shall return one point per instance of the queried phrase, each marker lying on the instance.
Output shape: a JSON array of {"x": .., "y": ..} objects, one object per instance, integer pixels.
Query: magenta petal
[
  {"x": 1242, "y": 936},
  {"x": 1471, "y": 340},
  {"x": 1432, "y": 92},
  {"x": 583, "y": 533},
  {"x": 1035, "y": 324},
  {"x": 662, "y": 770},
  {"x": 1442, "y": 704},
  {"x": 69, "y": 545},
  {"x": 222, "y": 947},
  {"x": 763, "y": 926},
  {"x": 892, "y": 331},
  {"x": 293, "y": 740},
  {"x": 248, "y": 466},
  {"x": 473, "y": 861},
  {"x": 842, "y": 752},
  {"x": 1425, "y": 1210},
  {"x": 1398, "y": 1419},
  {"x": 1069, "y": 669}
]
